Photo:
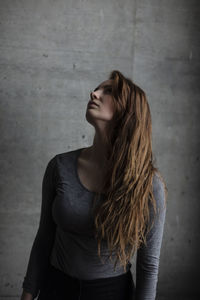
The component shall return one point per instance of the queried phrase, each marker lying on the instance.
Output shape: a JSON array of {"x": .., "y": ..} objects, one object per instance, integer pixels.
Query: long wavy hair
[{"x": 122, "y": 218}]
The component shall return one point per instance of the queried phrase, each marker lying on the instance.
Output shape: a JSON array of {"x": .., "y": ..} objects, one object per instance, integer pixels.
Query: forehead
[{"x": 106, "y": 83}]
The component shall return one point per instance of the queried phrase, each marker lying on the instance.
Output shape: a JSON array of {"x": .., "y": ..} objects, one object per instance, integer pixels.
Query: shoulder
[
  {"x": 65, "y": 155},
  {"x": 56, "y": 158},
  {"x": 61, "y": 162}
]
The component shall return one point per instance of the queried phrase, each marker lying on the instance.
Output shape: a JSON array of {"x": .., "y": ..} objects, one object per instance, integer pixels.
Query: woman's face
[{"x": 102, "y": 96}]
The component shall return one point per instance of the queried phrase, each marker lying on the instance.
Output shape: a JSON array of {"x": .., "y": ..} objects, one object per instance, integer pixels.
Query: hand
[{"x": 26, "y": 296}]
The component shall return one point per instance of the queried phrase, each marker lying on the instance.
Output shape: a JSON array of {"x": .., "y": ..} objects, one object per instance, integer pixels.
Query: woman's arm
[
  {"x": 147, "y": 263},
  {"x": 26, "y": 296},
  {"x": 43, "y": 243}
]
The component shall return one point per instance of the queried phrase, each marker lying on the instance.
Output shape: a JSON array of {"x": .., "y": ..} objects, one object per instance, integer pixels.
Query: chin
[{"x": 89, "y": 117}]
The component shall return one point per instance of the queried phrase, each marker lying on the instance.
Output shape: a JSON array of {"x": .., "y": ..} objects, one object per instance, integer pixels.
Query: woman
[{"x": 100, "y": 205}]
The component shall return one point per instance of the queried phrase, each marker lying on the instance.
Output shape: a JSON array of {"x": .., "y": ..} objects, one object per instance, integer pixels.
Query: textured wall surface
[{"x": 52, "y": 54}]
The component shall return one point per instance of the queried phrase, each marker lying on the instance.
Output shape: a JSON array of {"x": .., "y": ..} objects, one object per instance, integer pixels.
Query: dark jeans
[{"x": 60, "y": 286}]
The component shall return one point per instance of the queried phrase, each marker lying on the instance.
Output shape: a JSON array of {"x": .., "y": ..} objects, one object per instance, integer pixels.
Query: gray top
[{"x": 65, "y": 233}]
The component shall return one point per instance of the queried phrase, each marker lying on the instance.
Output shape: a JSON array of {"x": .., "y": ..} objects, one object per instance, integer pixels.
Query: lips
[{"x": 92, "y": 102}]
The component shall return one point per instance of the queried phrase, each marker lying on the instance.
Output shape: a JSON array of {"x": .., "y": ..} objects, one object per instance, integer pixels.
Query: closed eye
[{"x": 107, "y": 90}]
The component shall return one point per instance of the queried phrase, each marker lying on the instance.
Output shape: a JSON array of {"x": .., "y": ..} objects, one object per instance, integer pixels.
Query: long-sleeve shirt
[{"x": 65, "y": 236}]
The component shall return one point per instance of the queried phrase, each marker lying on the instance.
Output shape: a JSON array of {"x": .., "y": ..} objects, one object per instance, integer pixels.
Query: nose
[{"x": 92, "y": 95}]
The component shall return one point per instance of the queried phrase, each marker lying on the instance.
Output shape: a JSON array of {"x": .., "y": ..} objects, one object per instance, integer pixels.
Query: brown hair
[{"x": 123, "y": 216}]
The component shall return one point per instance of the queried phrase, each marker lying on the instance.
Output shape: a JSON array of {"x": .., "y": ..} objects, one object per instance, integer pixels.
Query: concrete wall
[{"x": 53, "y": 53}]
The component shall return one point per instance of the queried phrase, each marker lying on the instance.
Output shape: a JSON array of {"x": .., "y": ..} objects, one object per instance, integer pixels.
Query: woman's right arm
[{"x": 43, "y": 243}]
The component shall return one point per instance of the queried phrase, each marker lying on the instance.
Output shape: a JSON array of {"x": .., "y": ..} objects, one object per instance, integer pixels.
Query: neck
[{"x": 98, "y": 150}]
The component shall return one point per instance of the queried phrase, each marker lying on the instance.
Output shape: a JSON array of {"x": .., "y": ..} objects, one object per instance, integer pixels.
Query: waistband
[{"x": 60, "y": 274}]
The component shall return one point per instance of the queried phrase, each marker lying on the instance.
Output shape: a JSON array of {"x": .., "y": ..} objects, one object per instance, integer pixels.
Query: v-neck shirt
[{"x": 65, "y": 237}]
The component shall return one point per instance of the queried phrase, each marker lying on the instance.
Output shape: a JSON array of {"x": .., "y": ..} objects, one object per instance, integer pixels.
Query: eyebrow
[{"x": 104, "y": 86}]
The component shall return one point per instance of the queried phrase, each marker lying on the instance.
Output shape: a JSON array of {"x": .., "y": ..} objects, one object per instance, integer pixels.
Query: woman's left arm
[{"x": 147, "y": 262}]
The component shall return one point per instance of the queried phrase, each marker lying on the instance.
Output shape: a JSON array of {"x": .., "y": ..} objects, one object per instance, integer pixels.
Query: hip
[{"x": 60, "y": 286}]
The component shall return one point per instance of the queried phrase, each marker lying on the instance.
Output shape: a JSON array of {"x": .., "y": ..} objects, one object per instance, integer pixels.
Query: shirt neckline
[{"x": 78, "y": 152}]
